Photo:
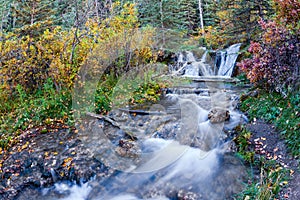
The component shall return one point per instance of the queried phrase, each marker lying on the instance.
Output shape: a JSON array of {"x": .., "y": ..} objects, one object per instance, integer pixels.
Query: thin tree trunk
[
  {"x": 2, "y": 20},
  {"x": 201, "y": 16},
  {"x": 32, "y": 14},
  {"x": 162, "y": 22},
  {"x": 97, "y": 9}
]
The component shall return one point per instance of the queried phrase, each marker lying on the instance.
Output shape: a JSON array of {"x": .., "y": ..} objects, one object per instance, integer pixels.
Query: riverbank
[
  {"x": 40, "y": 159},
  {"x": 272, "y": 144},
  {"x": 275, "y": 171}
]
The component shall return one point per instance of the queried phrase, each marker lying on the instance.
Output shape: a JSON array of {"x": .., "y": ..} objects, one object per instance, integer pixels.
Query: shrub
[{"x": 275, "y": 62}]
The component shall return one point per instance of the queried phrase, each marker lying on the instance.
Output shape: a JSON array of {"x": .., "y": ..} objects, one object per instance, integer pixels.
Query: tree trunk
[
  {"x": 162, "y": 22},
  {"x": 201, "y": 16}
]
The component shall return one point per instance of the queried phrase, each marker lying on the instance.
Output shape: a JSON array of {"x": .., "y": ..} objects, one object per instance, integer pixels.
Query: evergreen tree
[
  {"x": 210, "y": 9},
  {"x": 246, "y": 15},
  {"x": 168, "y": 14},
  {"x": 237, "y": 20},
  {"x": 190, "y": 14},
  {"x": 31, "y": 17},
  {"x": 5, "y": 13}
]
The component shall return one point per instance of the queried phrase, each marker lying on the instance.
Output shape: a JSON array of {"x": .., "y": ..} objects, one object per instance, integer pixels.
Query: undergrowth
[
  {"x": 24, "y": 110},
  {"x": 283, "y": 112},
  {"x": 266, "y": 177}
]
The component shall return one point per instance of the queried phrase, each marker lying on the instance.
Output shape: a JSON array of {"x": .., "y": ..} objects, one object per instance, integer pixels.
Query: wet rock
[
  {"x": 30, "y": 163},
  {"x": 218, "y": 115},
  {"x": 183, "y": 195},
  {"x": 128, "y": 148}
]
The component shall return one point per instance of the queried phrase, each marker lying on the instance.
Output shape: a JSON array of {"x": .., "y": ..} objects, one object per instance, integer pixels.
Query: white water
[
  {"x": 172, "y": 164},
  {"x": 192, "y": 161},
  {"x": 228, "y": 60},
  {"x": 191, "y": 67},
  {"x": 192, "y": 167}
]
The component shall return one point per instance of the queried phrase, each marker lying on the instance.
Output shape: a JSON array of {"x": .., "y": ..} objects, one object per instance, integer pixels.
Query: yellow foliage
[
  {"x": 214, "y": 38},
  {"x": 59, "y": 54}
]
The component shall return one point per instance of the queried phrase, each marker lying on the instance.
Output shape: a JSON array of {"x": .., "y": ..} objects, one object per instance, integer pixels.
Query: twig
[
  {"x": 143, "y": 112},
  {"x": 103, "y": 117}
]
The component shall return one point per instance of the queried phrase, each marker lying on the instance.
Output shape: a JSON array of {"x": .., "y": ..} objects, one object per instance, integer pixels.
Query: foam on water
[{"x": 190, "y": 166}]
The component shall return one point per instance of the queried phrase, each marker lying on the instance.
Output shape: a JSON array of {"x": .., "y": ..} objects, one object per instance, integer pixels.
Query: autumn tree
[
  {"x": 31, "y": 17},
  {"x": 275, "y": 62}
]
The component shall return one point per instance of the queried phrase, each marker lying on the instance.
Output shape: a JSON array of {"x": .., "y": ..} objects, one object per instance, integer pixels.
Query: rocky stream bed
[{"x": 40, "y": 159}]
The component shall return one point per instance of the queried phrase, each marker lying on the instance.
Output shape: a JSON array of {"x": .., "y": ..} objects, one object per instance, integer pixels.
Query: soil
[{"x": 266, "y": 141}]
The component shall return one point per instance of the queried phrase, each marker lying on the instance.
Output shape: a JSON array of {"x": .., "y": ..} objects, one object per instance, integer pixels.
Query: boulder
[
  {"x": 218, "y": 115},
  {"x": 128, "y": 148}
]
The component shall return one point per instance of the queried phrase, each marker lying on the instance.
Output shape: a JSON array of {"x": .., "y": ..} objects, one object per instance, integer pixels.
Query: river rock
[
  {"x": 218, "y": 115},
  {"x": 128, "y": 148}
]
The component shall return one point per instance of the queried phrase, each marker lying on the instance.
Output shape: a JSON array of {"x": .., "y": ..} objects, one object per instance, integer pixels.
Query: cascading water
[
  {"x": 173, "y": 150},
  {"x": 224, "y": 63},
  {"x": 228, "y": 59},
  {"x": 179, "y": 153}
]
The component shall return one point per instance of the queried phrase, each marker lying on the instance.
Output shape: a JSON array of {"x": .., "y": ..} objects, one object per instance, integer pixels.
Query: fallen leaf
[
  {"x": 247, "y": 197},
  {"x": 67, "y": 162},
  {"x": 284, "y": 182}
]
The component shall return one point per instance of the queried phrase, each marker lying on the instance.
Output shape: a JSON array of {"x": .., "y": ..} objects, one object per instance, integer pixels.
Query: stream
[{"x": 178, "y": 148}]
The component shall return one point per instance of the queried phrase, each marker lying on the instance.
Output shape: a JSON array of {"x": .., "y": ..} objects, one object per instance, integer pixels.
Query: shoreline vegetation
[{"x": 44, "y": 58}]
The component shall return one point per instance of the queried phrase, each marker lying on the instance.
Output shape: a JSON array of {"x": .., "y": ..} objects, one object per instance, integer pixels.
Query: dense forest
[{"x": 47, "y": 46}]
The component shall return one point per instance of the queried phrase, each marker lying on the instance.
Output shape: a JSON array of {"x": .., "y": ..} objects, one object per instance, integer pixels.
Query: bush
[
  {"x": 275, "y": 62},
  {"x": 29, "y": 110}
]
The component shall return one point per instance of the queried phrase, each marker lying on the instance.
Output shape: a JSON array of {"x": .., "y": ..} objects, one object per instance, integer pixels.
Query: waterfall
[
  {"x": 203, "y": 58},
  {"x": 188, "y": 65},
  {"x": 220, "y": 61},
  {"x": 192, "y": 69},
  {"x": 190, "y": 57},
  {"x": 228, "y": 58}
]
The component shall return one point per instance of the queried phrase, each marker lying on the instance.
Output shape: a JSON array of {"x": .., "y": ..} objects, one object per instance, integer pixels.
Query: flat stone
[{"x": 218, "y": 115}]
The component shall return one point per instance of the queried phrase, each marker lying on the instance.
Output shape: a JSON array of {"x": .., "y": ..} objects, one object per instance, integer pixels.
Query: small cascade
[
  {"x": 180, "y": 58},
  {"x": 190, "y": 57},
  {"x": 192, "y": 69},
  {"x": 203, "y": 58},
  {"x": 179, "y": 153},
  {"x": 178, "y": 148},
  {"x": 205, "y": 69},
  {"x": 220, "y": 61},
  {"x": 228, "y": 58},
  {"x": 188, "y": 65}
]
